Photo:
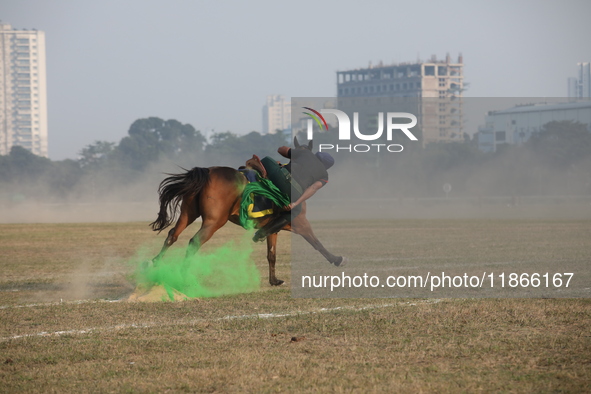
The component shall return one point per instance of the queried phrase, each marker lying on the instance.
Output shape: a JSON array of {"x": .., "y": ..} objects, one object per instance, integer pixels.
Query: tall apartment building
[
  {"x": 276, "y": 114},
  {"x": 23, "y": 90},
  {"x": 580, "y": 86},
  {"x": 436, "y": 85}
]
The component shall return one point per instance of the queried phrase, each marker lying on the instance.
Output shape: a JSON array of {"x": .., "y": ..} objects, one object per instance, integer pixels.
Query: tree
[
  {"x": 230, "y": 149},
  {"x": 96, "y": 154},
  {"x": 446, "y": 155},
  {"x": 152, "y": 139},
  {"x": 21, "y": 165},
  {"x": 561, "y": 144},
  {"x": 63, "y": 177},
  {"x": 26, "y": 175}
]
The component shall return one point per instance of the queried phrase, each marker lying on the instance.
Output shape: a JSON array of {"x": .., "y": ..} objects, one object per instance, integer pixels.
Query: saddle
[{"x": 255, "y": 164}]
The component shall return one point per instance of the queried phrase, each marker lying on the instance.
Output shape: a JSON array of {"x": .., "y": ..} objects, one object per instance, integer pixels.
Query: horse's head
[{"x": 298, "y": 146}]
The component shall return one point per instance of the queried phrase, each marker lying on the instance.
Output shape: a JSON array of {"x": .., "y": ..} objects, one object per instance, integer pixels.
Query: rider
[{"x": 309, "y": 175}]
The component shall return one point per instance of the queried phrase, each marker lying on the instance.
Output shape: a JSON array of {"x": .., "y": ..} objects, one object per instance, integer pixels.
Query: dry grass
[
  {"x": 415, "y": 247},
  {"x": 220, "y": 345}
]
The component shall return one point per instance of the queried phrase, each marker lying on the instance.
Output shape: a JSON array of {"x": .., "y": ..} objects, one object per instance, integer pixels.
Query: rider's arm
[{"x": 307, "y": 194}]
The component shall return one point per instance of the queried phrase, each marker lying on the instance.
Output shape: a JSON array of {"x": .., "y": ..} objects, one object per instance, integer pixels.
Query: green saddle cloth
[{"x": 265, "y": 188}]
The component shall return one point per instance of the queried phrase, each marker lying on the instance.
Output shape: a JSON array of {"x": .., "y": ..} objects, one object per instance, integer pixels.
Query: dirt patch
[{"x": 156, "y": 293}]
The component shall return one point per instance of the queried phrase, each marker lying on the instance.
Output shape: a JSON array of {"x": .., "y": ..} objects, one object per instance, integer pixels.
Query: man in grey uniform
[{"x": 302, "y": 177}]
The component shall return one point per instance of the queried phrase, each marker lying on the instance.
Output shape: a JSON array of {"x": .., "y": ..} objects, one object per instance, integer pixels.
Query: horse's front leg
[
  {"x": 272, "y": 258},
  {"x": 302, "y": 227}
]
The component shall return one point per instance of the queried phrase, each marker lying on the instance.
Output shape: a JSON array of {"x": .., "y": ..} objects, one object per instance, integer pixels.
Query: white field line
[
  {"x": 42, "y": 304},
  {"x": 195, "y": 321}
]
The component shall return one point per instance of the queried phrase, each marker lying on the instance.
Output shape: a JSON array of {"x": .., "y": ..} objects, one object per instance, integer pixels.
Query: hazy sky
[{"x": 212, "y": 63}]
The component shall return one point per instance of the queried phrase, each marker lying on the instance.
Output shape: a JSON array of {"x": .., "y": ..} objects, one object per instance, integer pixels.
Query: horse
[{"x": 214, "y": 194}]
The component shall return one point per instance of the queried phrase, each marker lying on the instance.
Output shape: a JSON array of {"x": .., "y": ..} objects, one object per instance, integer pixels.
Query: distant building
[
  {"x": 516, "y": 125},
  {"x": 276, "y": 114},
  {"x": 580, "y": 86},
  {"x": 23, "y": 91},
  {"x": 437, "y": 86}
]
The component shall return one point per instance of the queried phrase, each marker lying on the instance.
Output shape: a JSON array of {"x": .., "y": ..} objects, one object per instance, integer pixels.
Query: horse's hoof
[
  {"x": 259, "y": 237},
  {"x": 146, "y": 264},
  {"x": 277, "y": 282},
  {"x": 342, "y": 262}
]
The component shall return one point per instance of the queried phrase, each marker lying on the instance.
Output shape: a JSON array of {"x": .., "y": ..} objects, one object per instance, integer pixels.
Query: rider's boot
[{"x": 272, "y": 227}]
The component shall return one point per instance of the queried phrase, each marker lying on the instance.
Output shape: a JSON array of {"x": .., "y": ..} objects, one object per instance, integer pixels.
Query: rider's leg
[{"x": 274, "y": 226}]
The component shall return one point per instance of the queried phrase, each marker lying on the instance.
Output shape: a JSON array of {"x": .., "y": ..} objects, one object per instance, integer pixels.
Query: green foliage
[
  {"x": 153, "y": 143},
  {"x": 561, "y": 144},
  {"x": 95, "y": 155},
  {"x": 22, "y": 165},
  {"x": 154, "y": 139},
  {"x": 24, "y": 175},
  {"x": 230, "y": 149}
]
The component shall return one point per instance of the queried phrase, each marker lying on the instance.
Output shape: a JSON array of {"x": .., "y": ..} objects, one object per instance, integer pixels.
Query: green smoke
[{"x": 228, "y": 269}]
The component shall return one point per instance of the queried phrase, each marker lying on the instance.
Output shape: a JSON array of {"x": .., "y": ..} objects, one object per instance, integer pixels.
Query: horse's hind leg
[
  {"x": 217, "y": 202},
  {"x": 188, "y": 215},
  {"x": 271, "y": 258},
  {"x": 210, "y": 225}
]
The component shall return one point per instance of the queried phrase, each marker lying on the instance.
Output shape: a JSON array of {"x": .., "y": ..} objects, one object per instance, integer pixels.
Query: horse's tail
[{"x": 173, "y": 189}]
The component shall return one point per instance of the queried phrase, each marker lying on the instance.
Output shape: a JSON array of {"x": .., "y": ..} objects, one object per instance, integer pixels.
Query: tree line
[{"x": 560, "y": 150}]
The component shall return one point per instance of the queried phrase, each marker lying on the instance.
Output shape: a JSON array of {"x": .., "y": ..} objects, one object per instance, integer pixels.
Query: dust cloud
[
  {"x": 449, "y": 179},
  {"x": 494, "y": 190},
  {"x": 389, "y": 186},
  {"x": 98, "y": 199},
  {"x": 453, "y": 180}
]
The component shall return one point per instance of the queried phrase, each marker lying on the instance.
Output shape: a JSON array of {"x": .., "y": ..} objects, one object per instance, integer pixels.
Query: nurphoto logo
[{"x": 344, "y": 127}]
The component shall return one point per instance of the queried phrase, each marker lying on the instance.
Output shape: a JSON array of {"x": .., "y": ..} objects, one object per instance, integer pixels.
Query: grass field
[{"x": 58, "y": 333}]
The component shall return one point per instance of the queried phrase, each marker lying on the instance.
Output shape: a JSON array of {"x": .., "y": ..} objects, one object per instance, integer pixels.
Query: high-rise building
[
  {"x": 580, "y": 86},
  {"x": 23, "y": 90},
  {"x": 437, "y": 85},
  {"x": 276, "y": 114}
]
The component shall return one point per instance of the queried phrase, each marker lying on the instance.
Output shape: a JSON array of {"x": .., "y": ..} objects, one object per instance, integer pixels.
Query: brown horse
[{"x": 214, "y": 194}]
